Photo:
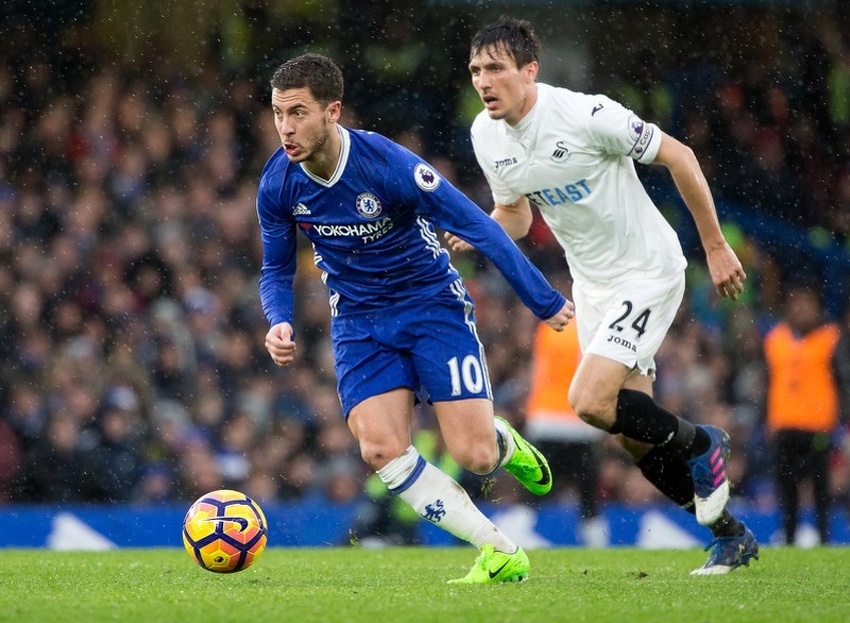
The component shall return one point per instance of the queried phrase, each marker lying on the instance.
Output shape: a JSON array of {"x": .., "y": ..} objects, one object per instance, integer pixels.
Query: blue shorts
[{"x": 431, "y": 348}]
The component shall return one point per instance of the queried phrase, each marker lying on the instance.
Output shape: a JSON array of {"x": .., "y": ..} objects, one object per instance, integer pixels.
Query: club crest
[
  {"x": 561, "y": 152},
  {"x": 368, "y": 205}
]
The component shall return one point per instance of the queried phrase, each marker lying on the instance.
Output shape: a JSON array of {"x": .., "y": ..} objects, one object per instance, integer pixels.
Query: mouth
[
  {"x": 490, "y": 101},
  {"x": 290, "y": 149}
]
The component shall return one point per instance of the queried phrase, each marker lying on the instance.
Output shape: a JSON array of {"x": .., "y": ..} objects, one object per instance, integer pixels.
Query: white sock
[
  {"x": 506, "y": 443},
  {"x": 437, "y": 498}
]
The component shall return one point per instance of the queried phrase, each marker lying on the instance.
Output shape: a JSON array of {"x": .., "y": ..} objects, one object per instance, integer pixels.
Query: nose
[
  {"x": 482, "y": 81},
  {"x": 284, "y": 127}
]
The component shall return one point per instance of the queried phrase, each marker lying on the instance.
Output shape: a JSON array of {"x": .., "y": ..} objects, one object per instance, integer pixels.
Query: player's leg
[
  {"x": 733, "y": 545},
  {"x": 449, "y": 360},
  {"x": 470, "y": 435},
  {"x": 481, "y": 443},
  {"x": 620, "y": 332},
  {"x": 601, "y": 397},
  {"x": 669, "y": 467},
  {"x": 381, "y": 425},
  {"x": 375, "y": 380}
]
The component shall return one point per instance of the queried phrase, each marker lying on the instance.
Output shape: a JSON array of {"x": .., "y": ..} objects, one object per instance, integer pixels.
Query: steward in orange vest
[
  {"x": 802, "y": 405},
  {"x": 802, "y": 392}
]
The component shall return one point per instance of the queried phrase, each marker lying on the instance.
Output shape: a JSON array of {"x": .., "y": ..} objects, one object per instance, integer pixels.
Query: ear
[
  {"x": 333, "y": 111},
  {"x": 530, "y": 71}
]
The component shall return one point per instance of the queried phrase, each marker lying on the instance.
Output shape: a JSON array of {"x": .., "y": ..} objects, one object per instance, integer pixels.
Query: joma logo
[{"x": 621, "y": 342}]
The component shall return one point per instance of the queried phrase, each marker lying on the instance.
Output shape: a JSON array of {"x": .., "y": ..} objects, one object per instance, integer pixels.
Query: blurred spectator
[
  {"x": 55, "y": 469},
  {"x": 10, "y": 459},
  {"x": 802, "y": 405},
  {"x": 26, "y": 414},
  {"x": 237, "y": 436},
  {"x": 116, "y": 461},
  {"x": 197, "y": 469}
]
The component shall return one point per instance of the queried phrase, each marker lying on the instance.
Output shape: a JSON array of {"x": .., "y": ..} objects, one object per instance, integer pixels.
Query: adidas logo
[{"x": 300, "y": 210}]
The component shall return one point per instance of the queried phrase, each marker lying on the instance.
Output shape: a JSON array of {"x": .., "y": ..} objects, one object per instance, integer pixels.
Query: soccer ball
[{"x": 225, "y": 531}]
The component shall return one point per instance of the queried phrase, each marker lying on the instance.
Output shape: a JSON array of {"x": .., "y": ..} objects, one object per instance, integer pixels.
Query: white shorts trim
[{"x": 627, "y": 323}]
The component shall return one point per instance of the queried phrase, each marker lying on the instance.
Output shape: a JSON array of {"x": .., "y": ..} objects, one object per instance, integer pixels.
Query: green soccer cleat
[
  {"x": 527, "y": 465},
  {"x": 493, "y": 566}
]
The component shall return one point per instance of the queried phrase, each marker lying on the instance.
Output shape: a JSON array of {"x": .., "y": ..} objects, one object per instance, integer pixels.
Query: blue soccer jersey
[{"x": 372, "y": 230}]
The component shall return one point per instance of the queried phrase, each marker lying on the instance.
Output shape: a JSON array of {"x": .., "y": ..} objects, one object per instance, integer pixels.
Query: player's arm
[
  {"x": 727, "y": 274},
  {"x": 276, "y": 276},
  {"x": 276, "y": 297},
  {"x": 515, "y": 218},
  {"x": 453, "y": 211}
]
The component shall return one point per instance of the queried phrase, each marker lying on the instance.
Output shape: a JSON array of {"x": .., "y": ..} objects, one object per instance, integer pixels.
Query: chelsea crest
[{"x": 368, "y": 205}]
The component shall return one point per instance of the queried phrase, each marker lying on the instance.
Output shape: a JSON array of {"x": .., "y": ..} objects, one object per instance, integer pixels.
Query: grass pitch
[{"x": 355, "y": 585}]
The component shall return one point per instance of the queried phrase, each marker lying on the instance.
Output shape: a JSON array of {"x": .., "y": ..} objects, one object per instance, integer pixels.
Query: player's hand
[
  {"x": 456, "y": 244},
  {"x": 280, "y": 345},
  {"x": 727, "y": 274},
  {"x": 560, "y": 320}
]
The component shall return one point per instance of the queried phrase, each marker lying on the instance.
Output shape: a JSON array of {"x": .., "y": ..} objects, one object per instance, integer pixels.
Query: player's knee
[
  {"x": 595, "y": 410},
  {"x": 595, "y": 417},
  {"x": 477, "y": 458},
  {"x": 378, "y": 454}
]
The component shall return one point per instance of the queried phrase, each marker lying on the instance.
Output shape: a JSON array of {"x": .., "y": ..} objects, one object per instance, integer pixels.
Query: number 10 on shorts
[{"x": 468, "y": 372}]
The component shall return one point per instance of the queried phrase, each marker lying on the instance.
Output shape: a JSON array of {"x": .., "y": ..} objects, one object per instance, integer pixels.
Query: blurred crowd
[{"x": 132, "y": 365}]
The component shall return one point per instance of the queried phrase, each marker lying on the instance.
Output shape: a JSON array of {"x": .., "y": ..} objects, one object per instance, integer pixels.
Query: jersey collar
[{"x": 340, "y": 165}]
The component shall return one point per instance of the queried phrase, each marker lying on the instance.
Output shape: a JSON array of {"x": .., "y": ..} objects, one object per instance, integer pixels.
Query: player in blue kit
[{"x": 401, "y": 318}]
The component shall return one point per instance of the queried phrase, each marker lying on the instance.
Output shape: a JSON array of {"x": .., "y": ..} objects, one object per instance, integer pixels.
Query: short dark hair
[
  {"x": 511, "y": 35},
  {"x": 315, "y": 72}
]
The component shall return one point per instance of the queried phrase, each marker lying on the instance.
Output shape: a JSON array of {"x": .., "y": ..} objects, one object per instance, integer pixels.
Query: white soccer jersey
[{"x": 572, "y": 156}]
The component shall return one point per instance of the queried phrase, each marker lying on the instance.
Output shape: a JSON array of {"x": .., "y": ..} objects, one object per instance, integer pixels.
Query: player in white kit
[{"x": 572, "y": 155}]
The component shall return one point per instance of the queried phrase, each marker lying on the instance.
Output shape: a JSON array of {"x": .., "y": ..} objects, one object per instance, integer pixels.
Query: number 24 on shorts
[{"x": 638, "y": 324}]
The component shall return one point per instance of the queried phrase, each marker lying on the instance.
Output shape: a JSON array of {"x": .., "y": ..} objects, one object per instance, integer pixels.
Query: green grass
[{"x": 409, "y": 585}]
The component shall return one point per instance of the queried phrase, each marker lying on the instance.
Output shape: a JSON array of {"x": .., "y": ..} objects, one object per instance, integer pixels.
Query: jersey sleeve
[
  {"x": 447, "y": 207},
  {"x": 278, "y": 235},
  {"x": 618, "y": 130}
]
